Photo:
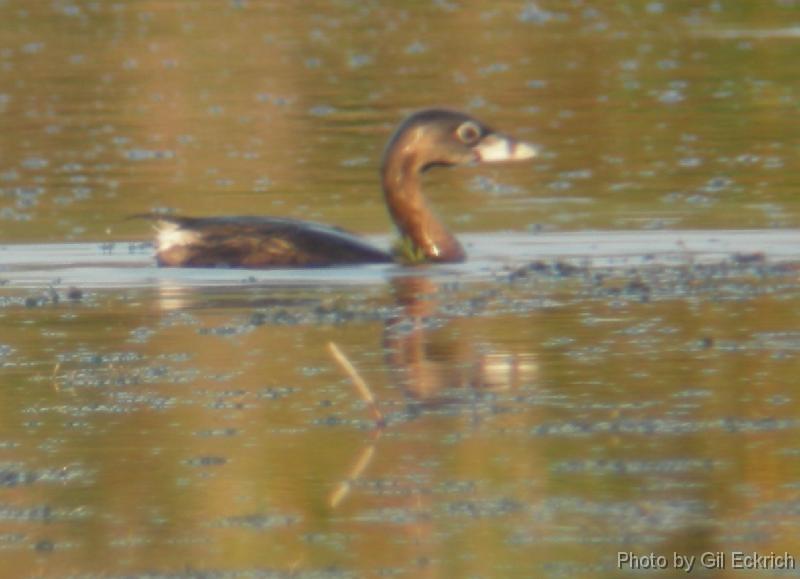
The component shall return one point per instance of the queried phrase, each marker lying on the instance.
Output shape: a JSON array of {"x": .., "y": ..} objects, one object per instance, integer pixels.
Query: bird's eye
[{"x": 468, "y": 132}]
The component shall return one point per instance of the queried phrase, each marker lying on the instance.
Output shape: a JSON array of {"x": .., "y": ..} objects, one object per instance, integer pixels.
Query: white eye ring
[{"x": 468, "y": 132}]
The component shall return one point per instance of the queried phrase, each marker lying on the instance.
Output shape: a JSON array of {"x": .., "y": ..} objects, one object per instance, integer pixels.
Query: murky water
[{"x": 613, "y": 371}]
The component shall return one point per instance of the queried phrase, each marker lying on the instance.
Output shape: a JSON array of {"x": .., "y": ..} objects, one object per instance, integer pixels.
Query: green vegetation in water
[{"x": 406, "y": 252}]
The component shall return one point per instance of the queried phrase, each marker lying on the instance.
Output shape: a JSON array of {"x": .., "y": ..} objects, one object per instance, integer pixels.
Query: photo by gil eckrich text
[{"x": 733, "y": 560}]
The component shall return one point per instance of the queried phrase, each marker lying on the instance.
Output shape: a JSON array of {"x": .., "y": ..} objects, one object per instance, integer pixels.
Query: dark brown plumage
[{"x": 255, "y": 242}]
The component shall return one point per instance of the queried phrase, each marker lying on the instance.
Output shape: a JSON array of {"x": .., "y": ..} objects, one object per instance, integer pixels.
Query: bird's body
[
  {"x": 257, "y": 242},
  {"x": 432, "y": 137}
]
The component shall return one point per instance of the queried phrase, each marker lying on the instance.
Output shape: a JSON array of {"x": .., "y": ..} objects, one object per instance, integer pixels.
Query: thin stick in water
[
  {"x": 361, "y": 386},
  {"x": 343, "y": 488}
]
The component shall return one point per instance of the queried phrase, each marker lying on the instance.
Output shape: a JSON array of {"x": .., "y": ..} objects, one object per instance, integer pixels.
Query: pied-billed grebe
[{"x": 426, "y": 139}]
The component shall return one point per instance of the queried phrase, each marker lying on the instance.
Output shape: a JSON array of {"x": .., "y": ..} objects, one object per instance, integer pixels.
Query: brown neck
[{"x": 410, "y": 210}]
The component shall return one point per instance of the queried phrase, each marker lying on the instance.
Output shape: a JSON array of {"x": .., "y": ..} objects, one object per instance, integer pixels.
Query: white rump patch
[{"x": 170, "y": 235}]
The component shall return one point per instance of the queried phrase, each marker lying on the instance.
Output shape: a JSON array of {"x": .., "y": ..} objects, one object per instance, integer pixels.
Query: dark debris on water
[
  {"x": 741, "y": 275},
  {"x": 14, "y": 475},
  {"x": 48, "y": 297},
  {"x": 331, "y": 572},
  {"x": 661, "y": 426},
  {"x": 259, "y": 521}
]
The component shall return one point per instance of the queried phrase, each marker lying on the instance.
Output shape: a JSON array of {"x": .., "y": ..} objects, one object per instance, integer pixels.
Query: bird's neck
[{"x": 412, "y": 214}]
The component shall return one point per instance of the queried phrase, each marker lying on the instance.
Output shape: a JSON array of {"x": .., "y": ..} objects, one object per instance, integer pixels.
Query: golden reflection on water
[
  {"x": 647, "y": 118},
  {"x": 224, "y": 436},
  {"x": 146, "y": 413},
  {"x": 534, "y": 427}
]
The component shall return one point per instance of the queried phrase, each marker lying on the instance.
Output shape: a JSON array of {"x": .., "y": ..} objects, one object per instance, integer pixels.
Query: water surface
[{"x": 613, "y": 370}]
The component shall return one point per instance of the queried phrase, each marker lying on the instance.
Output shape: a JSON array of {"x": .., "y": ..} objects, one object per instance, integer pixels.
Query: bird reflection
[
  {"x": 437, "y": 371},
  {"x": 432, "y": 372}
]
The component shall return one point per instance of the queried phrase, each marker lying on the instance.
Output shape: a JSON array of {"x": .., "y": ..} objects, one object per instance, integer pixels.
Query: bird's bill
[{"x": 495, "y": 147}]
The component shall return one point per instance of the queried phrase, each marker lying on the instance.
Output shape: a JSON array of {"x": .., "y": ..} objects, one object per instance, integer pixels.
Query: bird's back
[{"x": 257, "y": 242}]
